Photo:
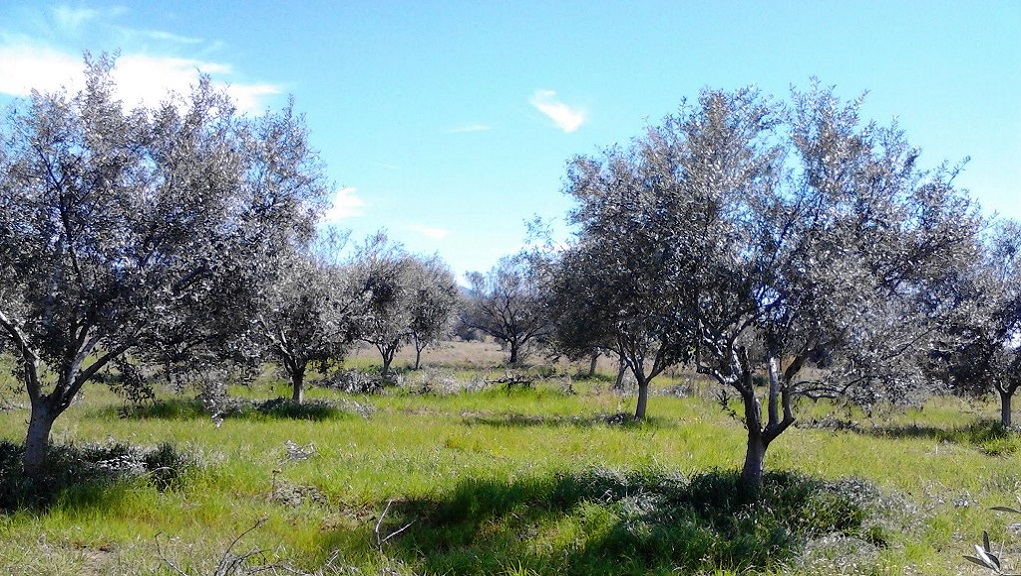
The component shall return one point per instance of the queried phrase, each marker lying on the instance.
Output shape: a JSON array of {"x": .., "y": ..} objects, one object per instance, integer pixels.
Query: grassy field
[{"x": 471, "y": 477}]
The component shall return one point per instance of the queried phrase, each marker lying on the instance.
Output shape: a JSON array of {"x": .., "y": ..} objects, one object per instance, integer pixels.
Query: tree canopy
[
  {"x": 117, "y": 225},
  {"x": 743, "y": 233}
]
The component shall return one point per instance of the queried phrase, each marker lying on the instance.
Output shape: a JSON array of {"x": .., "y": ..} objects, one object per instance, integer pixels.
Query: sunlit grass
[{"x": 322, "y": 485}]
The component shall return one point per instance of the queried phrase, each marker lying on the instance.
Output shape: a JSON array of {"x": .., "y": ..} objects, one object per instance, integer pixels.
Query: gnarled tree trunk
[
  {"x": 643, "y": 397},
  {"x": 618, "y": 384}
]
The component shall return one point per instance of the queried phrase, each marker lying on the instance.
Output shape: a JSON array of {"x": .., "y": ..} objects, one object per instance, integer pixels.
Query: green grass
[{"x": 523, "y": 481}]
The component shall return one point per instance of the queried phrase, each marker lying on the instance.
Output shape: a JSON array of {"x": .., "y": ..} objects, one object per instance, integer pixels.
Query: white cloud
[
  {"x": 346, "y": 204},
  {"x": 151, "y": 62},
  {"x": 470, "y": 128},
  {"x": 565, "y": 117},
  {"x": 140, "y": 78},
  {"x": 72, "y": 18},
  {"x": 429, "y": 232},
  {"x": 23, "y": 68}
]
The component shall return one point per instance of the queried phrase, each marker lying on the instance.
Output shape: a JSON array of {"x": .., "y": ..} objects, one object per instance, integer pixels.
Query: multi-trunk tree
[
  {"x": 114, "y": 223},
  {"x": 409, "y": 299},
  {"x": 752, "y": 238}
]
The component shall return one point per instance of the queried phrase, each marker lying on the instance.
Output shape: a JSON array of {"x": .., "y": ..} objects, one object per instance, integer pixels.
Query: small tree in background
[
  {"x": 309, "y": 314},
  {"x": 384, "y": 275},
  {"x": 434, "y": 303},
  {"x": 507, "y": 303},
  {"x": 608, "y": 288},
  {"x": 980, "y": 347}
]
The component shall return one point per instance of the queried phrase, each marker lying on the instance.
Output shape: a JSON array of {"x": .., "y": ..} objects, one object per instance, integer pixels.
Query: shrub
[
  {"x": 353, "y": 382},
  {"x": 86, "y": 469}
]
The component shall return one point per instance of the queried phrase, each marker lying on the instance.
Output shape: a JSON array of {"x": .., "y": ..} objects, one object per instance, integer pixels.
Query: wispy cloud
[
  {"x": 429, "y": 232},
  {"x": 346, "y": 204},
  {"x": 565, "y": 117},
  {"x": 71, "y": 19},
  {"x": 470, "y": 128},
  {"x": 27, "y": 64}
]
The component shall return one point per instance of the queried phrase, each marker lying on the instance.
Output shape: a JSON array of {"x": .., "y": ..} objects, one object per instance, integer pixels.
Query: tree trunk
[
  {"x": 37, "y": 441},
  {"x": 643, "y": 398},
  {"x": 513, "y": 353},
  {"x": 618, "y": 384},
  {"x": 418, "y": 356},
  {"x": 758, "y": 439},
  {"x": 1005, "y": 397},
  {"x": 754, "y": 460},
  {"x": 592, "y": 365},
  {"x": 298, "y": 385}
]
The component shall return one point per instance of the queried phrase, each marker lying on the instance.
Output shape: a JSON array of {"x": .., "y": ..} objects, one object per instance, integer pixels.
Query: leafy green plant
[{"x": 984, "y": 555}]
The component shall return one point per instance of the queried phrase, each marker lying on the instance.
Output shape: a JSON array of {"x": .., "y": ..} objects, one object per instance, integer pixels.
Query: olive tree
[
  {"x": 433, "y": 302},
  {"x": 848, "y": 262},
  {"x": 741, "y": 257},
  {"x": 507, "y": 303},
  {"x": 980, "y": 346},
  {"x": 113, "y": 222},
  {"x": 383, "y": 271},
  {"x": 308, "y": 313},
  {"x": 607, "y": 289}
]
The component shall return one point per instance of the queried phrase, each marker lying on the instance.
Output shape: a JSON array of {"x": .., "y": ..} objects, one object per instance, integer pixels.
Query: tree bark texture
[
  {"x": 643, "y": 399},
  {"x": 298, "y": 386},
  {"x": 37, "y": 441},
  {"x": 618, "y": 384},
  {"x": 1005, "y": 416},
  {"x": 754, "y": 462}
]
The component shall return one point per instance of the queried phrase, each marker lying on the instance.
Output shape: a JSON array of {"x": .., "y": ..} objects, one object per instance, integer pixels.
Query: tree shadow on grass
[
  {"x": 275, "y": 408},
  {"x": 605, "y": 522},
  {"x": 516, "y": 420},
  {"x": 988, "y": 435}
]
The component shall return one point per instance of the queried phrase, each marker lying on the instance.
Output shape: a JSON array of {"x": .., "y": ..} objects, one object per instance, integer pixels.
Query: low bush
[
  {"x": 289, "y": 409},
  {"x": 87, "y": 469}
]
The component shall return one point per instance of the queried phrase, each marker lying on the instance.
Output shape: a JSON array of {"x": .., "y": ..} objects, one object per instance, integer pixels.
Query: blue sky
[{"x": 449, "y": 123}]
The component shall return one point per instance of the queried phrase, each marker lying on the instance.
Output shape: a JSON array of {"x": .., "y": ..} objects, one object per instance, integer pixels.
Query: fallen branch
[{"x": 380, "y": 540}]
